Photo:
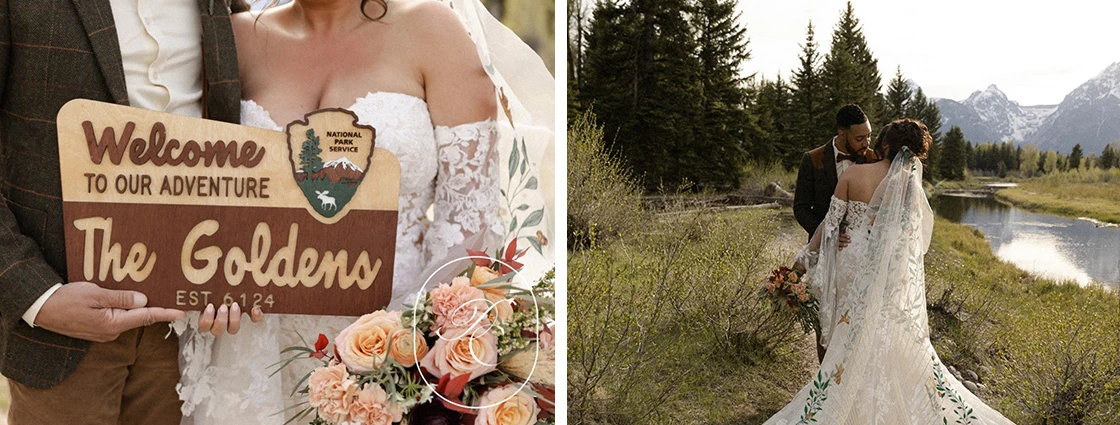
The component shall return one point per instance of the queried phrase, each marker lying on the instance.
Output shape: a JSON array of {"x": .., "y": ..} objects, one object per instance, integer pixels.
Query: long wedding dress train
[{"x": 880, "y": 367}]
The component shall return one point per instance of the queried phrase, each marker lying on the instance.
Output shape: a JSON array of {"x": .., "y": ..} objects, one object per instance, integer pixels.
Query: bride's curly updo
[{"x": 904, "y": 132}]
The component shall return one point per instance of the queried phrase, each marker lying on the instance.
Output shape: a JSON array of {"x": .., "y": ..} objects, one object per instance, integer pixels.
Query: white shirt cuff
[{"x": 33, "y": 311}]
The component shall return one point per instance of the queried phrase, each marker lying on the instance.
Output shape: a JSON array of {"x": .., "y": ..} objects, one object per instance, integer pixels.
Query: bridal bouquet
[
  {"x": 788, "y": 291},
  {"x": 475, "y": 350}
]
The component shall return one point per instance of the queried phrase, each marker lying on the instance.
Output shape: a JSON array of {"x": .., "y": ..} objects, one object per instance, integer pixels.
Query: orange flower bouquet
[{"x": 473, "y": 349}]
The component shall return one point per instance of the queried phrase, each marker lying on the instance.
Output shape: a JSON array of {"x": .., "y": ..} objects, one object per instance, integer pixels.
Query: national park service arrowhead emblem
[{"x": 330, "y": 156}]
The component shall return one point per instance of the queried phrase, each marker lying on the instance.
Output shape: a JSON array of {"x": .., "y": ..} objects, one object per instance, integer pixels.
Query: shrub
[
  {"x": 656, "y": 317},
  {"x": 604, "y": 200}
]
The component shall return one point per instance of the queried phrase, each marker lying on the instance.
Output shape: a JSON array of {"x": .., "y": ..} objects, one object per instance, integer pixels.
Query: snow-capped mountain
[
  {"x": 1089, "y": 115},
  {"x": 989, "y": 115},
  {"x": 343, "y": 164}
]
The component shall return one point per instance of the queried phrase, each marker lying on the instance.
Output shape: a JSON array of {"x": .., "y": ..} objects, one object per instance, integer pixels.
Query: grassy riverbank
[
  {"x": 1094, "y": 194},
  {"x": 673, "y": 301}
]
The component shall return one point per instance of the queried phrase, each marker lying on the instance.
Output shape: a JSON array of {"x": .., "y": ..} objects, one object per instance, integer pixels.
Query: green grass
[
  {"x": 1093, "y": 193},
  {"x": 658, "y": 333},
  {"x": 1053, "y": 348}
]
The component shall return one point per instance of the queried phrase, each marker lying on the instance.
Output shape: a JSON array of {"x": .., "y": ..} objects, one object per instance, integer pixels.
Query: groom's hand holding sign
[{"x": 86, "y": 311}]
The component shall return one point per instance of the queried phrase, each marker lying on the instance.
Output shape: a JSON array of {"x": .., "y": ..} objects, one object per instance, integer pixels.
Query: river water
[{"x": 1051, "y": 246}]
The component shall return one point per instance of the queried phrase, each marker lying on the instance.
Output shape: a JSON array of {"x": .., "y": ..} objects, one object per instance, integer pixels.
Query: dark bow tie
[{"x": 859, "y": 158}]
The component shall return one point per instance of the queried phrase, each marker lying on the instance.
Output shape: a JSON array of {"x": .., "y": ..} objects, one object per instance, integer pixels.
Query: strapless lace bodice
[
  {"x": 448, "y": 201},
  {"x": 404, "y": 128}
]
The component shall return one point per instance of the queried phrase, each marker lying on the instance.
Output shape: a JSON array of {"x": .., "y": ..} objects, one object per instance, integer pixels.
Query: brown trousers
[{"x": 129, "y": 381}]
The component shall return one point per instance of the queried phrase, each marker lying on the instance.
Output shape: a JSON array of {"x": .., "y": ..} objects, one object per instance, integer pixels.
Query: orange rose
[
  {"x": 502, "y": 307},
  {"x": 408, "y": 346},
  {"x": 485, "y": 274},
  {"x": 463, "y": 351},
  {"x": 364, "y": 345},
  {"x": 507, "y": 405}
]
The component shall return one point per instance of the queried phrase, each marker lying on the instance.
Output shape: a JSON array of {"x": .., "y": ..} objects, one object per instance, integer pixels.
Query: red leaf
[
  {"x": 442, "y": 384},
  {"x": 318, "y": 355},
  {"x": 550, "y": 406},
  {"x": 482, "y": 262},
  {"x": 546, "y": 392},
  {"x": 507, "y": 269},
  {"x": 455, "y": 385},
  {"x": 511, "y": 250},
  {"x": 321, "y": 343}
]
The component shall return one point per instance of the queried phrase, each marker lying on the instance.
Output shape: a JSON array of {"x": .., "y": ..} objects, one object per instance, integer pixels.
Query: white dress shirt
[
  {"x": 842, "y": 165},
  {"x": 161, "y": 52}
]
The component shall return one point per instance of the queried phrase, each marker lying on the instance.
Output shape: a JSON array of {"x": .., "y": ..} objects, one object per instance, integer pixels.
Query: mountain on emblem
[{"x": 330, "y": 155}]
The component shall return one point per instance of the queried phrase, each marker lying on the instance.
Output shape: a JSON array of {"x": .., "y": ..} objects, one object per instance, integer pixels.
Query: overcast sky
[{"x": 1036, "y": 53}]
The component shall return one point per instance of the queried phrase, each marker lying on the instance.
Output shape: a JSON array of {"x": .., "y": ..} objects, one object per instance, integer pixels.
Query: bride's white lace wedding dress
[
  {"x": 880, "y": 367},
  {"x": 452, "y": 170}
]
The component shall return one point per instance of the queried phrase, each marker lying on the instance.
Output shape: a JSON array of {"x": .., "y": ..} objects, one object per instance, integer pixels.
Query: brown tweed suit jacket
[{"x": 52, "y": 51}]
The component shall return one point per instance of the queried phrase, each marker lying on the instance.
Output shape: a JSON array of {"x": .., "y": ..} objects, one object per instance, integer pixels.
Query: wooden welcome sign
[{"x": 192, "y": 211}]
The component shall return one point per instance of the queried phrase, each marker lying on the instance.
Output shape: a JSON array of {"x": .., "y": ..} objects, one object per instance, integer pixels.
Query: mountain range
[
  {"x": 1089, "y": 115},
  {"x": 335, "y": 171}
]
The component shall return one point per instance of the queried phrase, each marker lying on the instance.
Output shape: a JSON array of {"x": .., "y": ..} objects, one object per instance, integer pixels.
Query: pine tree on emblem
[{"x": 309, "y": 160}]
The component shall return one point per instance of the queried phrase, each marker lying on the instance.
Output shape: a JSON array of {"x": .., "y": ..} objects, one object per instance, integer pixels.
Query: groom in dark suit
[
  {"x": 76, "y": 353},
  {"x": 821, "y": 169}
]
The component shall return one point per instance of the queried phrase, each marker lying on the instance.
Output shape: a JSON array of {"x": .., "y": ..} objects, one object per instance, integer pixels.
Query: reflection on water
[{"x": 1051, "y": 246}]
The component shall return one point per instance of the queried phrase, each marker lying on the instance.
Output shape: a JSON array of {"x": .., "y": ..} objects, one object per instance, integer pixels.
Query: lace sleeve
[
  {"x": 833, "y": 219},
  {"x": 465, "y": 209},
  {"x": 823, "y": 277}
]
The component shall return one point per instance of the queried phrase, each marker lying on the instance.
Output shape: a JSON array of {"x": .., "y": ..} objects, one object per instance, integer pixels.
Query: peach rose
[
  {"x": 364, "y": 344},
  {"x": 501, "y": 307},
  {"x": 485, "y": 274},
  {"x": 507, "y": 405},
  {"x": 373, "y": 407},
  {"x": 458, "y": 305},
  {"x": 407, "y": 347},
  {"x": 330, "y": 391},
  {"x": 463, "y": 351}
]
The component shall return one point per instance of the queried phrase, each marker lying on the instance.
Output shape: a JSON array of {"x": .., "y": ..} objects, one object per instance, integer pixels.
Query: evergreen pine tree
[
  {"x": 1108, "y": 158},
  {"x": 952, "y": 161},
  {"x": 925, "y": 110},
  {"x": 720, "y": 135},
  {"x": 898, "y": 97},
  {"x": 809, "y": 106},
  {"x": 851, "y": 72},
  {"x": 772, "y": 104},
  {"x": 309, "y": 160},
  {"x": 1075, "y": 157},
  {"x": 642, "y": 75}
]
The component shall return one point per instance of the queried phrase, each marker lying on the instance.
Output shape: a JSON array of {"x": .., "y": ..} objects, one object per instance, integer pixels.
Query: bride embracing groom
[
  {"x": 877, "y": 365},
  {"x": 419, "y": 71}
]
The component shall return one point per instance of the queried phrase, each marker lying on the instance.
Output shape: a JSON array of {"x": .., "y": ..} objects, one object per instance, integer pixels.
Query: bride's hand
[
  {"x": 844, "y": 239},
  {"x": 225, "y": 319}
]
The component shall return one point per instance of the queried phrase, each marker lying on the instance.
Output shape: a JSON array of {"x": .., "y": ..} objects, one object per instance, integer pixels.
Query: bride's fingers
[
  {"x": 220, "y": 321},
  {"x": 256, "y": 314},
  {"x": 234, "y": 319},
  {"x": 206, "y": 319}
]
